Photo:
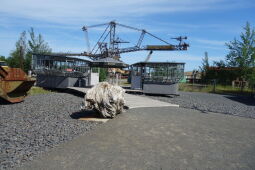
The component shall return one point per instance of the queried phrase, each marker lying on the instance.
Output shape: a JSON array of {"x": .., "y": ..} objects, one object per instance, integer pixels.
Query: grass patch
[
  {"x": 124, "y": 82},
  {"x": 220, "y": 89},
  {"x": 37, "y": 90},
  {"x": 196, "y": 88}
]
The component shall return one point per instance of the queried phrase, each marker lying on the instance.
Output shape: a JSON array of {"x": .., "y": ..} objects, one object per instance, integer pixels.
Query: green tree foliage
[
  {"x": 242, "y": 52},
  {"x": 220, "y": 63},
  {"x": 36, "y": 44},
  {"x": 103, "y": 74},
  {"x": 2, "y": 58},
  {"x": 22, "y": 55},
  {"x": 240, "y": 61},
  {"x": 204, "y": 67},
  {"x": 17, "y": 56}
]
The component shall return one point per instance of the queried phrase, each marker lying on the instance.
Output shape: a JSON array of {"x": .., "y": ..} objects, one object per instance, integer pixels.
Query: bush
[{"x": 103, "y": 74}]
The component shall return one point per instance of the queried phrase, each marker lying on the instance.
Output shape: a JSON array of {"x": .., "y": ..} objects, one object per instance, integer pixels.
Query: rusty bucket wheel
[{"x": 14, "y": 84}]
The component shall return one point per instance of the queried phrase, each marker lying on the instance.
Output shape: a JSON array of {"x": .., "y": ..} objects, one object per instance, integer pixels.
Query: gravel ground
[
  {"x": 36, "y": 125},
  {"x": 207, "y": 102},
  {"x": 43, "y": 121}
]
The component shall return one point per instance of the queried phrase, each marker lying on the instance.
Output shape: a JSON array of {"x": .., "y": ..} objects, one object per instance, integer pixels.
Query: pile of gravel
[
  {"x": 207, "y": 102},
  {"x": 36, "y": 125}
]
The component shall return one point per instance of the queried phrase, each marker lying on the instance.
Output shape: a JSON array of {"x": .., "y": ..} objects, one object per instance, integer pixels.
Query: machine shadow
[
  {"x": 4, "y": 102},
  {"x": 163, "y": 95},
  {"x": 85, "y": 114},
  {"x": 247, "y": 100}
]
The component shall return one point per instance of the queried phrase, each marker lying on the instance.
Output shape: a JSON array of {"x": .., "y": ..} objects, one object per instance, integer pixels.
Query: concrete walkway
[
  {"x": 158, "y": 138},
  {"x": 135, "y": 101}
]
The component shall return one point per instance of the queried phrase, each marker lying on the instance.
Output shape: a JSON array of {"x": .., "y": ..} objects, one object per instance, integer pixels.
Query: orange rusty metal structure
[{"x": 14, "y": 83}]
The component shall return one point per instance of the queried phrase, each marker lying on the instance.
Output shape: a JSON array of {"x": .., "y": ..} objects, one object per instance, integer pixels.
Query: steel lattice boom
[{"x": 111, "y": 48}]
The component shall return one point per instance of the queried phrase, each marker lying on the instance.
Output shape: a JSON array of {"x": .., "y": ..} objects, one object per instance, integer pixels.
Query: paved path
[
  {"x": 158, "y": 138},
  {"x": 135, "y": 101}
]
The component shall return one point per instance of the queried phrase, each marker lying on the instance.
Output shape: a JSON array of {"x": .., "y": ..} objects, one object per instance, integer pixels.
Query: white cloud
[
  {"x": 210, "y": 42},
  {"x": 208, "y": 47},
  {"x": 60, "y": 23},
  {"x": 78, "y": 11}
]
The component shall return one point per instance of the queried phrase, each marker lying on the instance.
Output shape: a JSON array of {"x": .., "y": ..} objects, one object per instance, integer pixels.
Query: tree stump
[{"x": 106, "y": 99}]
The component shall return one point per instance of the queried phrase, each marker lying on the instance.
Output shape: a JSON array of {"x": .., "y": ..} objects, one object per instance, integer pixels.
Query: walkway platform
[
  {"x": 135, "y": 101},
  {"x": 157, "y": 138}
]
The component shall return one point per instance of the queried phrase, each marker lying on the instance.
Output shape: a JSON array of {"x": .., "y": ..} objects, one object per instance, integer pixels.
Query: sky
[{"x": 208, "y": 24}]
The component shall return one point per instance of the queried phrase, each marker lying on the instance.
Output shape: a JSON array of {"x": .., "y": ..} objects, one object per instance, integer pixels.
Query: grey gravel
[
  {"x": 207, "y": 102},
  {"x": 43, "y": 121},
  {"x": 36, "y": 125}
]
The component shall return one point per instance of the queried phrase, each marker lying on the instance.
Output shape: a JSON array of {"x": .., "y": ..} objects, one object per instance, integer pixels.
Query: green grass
[
  {"x": 209, "y": 89},
  {"x": 124, "y": 82},
  {"x": 37, "y": 90}
]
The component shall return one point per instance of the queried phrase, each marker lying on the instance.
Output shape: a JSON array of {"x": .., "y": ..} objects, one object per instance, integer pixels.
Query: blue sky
[{"x": 209, "y": 24}]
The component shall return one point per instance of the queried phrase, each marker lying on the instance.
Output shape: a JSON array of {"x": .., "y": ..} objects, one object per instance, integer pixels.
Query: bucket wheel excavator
[{"x": 108, "y": 45}]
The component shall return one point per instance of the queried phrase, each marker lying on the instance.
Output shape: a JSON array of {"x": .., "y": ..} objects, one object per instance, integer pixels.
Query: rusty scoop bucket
[{"x": 14, "y": 84}]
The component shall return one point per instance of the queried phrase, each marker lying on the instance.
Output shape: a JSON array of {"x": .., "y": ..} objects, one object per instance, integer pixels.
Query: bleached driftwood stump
[{"x": 106, "y": 99}]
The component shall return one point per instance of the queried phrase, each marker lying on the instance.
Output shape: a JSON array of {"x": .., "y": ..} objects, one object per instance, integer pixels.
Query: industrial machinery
[
  {"x": 60, "y": 72},
  {"x": 14, "y": 83},
  {"x": 105, "y": 52},
  {"x": 108, "y": 44},
  {"x": 157, "y": 77}
]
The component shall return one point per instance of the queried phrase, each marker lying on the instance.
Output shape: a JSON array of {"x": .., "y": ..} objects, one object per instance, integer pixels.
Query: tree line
[
  {"x": 21, "y": 56},
  {"x": 238, "y": 63}
]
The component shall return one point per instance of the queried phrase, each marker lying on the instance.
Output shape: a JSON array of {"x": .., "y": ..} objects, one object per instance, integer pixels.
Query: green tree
[
  {"x": 17, "y": 56},
  {"x": 204, "y": 67},
  {"x": 36, "y": 44},
  {"x": 2, "y": 58},
  {"x": 242, "y": 52},
  {"x": 22, "y": 55},
  {"x": 103, "y": 74},
  {"x": 220, "y": 63}
]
